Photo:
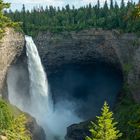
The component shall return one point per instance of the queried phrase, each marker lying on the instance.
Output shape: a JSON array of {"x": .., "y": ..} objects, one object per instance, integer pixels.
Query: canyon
[{"x": 61, "y": 52}]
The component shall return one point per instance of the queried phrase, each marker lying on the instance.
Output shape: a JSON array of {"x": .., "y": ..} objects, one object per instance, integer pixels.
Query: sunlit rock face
[{"x": 11, "y": 46}]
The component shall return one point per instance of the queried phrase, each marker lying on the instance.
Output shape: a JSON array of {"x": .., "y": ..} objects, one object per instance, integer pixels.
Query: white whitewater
[
  {"x": 39, "y": 90},
  {"x": 39, "y": 83},
  {"x": 39, "y": 104}
]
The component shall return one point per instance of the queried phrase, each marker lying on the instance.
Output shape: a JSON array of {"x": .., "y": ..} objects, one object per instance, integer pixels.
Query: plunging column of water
[
  {"x": 37, "y": 75},
  {"x": 39, "y": 90}
]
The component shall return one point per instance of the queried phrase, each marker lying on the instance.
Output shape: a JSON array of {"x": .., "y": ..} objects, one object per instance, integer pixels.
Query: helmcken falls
[{"x": 39, "y": 103}]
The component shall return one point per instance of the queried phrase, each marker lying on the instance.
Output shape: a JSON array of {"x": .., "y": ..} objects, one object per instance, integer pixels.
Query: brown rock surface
[{"x": 10, "y": 47}]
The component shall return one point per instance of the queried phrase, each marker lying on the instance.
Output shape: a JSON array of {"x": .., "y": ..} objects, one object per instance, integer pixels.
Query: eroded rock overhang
[{"x": 82, "y": 47}]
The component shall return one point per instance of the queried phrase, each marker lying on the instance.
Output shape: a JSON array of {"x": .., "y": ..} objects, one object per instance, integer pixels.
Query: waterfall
[
  {"x": 39, "y": 90},
  {"x": 40, "y": 99},
  {"x": 38, "y": 102},
  {"x": 39, "y": 83}
]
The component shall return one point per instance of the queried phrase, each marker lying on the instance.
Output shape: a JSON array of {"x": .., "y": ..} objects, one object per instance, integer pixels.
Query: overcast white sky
[{"x": 17, "y": 4}]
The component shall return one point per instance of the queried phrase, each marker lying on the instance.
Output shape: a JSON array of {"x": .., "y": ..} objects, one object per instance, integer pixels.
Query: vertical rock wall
[{"x": 11, "y": 46}]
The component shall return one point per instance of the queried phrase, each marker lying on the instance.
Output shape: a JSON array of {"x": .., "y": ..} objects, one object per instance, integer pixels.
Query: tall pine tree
[
  {"x": 4, "y": 21},
  {"x": 105, "y": 129},
  {"x": 111, "y": 4},
  {"x": 98, "y": 4},
  {"x": 122, "y": 4}
]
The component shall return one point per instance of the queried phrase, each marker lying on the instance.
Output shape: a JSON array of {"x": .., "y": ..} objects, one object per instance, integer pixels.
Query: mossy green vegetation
[
  {"x": 5, "y": 116},
  {"x": 127, "y": 113},
  {"x": 127, "y": 67},
  {"x": 14, "y": 128},
  {"x": 136, "y": 43},
  {"x": 4, "y": 20},
  {"x": 105, "y": 129}
]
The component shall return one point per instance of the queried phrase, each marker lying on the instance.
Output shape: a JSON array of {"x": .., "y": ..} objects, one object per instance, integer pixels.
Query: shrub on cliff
[
  {"x": 17, "y": 130},
  {"x": 5, "y": 116},
  {"x": 14, "y": 128},
  {"x": 5, "y": 21},
  {"x": 105, "y": 129}
]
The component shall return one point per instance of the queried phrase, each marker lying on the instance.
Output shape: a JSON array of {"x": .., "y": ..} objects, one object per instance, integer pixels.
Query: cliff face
[
  {"x": 120, "y": 50},
  {"x": 76, "y": 47},
  {"x": 11, "y": 46},
  {"x": 87, "y": 46}
]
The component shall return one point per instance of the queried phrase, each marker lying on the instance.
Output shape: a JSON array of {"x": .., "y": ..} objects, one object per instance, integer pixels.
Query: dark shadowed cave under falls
[{"x": 86, "y": 86}]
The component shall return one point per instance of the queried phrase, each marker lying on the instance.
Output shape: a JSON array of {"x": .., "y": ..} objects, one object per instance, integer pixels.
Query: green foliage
[
  {"x": 127, "y": 113},
  {"x": 127, "y": 68},
  {"x": 136, "y": 11},
  {"x": 136, "y": 43},
  {"x": 71, "y": 19},
  {"x": 5, "y": 116},
  {"x": 18, "y": 131},
  {"x": 136, "y": 127},
  {"x": 105, "y": 129},
  {"x": 11, "y": 127},
  {"x": 4, "y": 20}
]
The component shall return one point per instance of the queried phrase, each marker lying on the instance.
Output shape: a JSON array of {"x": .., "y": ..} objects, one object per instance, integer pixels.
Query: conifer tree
[
  {"x": 4, "y": 21},
  {"x": 106, "y": 5},
  {"x": 122, "y": 4},
  {"x": 105, "y": 129},
  {"x": 108, "y": 17},
  {"x": 111, "y": 4},
  {"x": 135, "y": 14},
  {"x": 98, "y": 4},
  {"x": 23, "y": 17},
  {"x": 116, "y": 6},
  {"x": 138, "y": 10}
]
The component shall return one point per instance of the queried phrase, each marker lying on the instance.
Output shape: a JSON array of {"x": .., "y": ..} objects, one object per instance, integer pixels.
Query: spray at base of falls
[{"x": 39, "y": 104}]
